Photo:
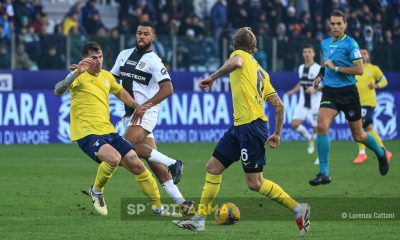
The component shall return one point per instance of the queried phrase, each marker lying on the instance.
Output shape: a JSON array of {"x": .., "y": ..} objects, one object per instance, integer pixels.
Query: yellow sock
[
  {"x": 210, "y": 191},
  {"x": 104, "y": 173},
  {"x": 361, "y": 147},
  {"x": 276, "y": 193},
  {"x": 148, "y": 185},
  {"x": 376, "y": 137}
]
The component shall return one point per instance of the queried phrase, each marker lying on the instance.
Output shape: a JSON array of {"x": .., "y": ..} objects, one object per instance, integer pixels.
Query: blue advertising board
[{"x": 39, "y": 117}]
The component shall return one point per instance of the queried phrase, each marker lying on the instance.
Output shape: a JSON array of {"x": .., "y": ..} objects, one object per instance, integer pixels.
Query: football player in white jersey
[
  {"x": 309, "y": 99},
  {"x": 145, "y": 77}
]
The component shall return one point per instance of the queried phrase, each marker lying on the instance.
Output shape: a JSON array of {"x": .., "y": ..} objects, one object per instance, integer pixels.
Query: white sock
[
  {"x": 362, "y": 151},
  {"x": 303, "y": 131},
  {"x": 298, "y": 210},
  {"x": 156, "y": 156},
  {"x": 173, "y": 191},
  {"x": 95, "y": 191}
]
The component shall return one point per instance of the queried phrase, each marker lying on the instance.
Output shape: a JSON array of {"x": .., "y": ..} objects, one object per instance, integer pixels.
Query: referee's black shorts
[{"x": 344, "y": 99}]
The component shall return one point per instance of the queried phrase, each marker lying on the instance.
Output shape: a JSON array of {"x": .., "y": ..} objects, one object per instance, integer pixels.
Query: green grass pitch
[{"x": 41, "y": 194}]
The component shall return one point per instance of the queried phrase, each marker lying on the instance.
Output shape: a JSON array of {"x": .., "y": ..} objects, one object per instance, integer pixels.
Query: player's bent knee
[
  {"x": 254, "y": 185},
  {"x": 321, "y": 129},
  {"x": 112, "y": 159},
  {"x": 133, "y": 163},
  {"x": 360, "y": 137},
  {"x": 212, "y": 169}
]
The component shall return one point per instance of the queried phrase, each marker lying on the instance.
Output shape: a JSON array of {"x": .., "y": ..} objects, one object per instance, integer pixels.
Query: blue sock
[
  {"x": 323, "y": 146},
  {"x": 373, "y": 145}
]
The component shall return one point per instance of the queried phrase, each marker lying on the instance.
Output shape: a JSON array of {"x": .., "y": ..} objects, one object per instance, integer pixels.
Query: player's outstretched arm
[
  {"x": 293, "y": 90},
  {"x": 166, "y": 90},
  {"x": 63, "y": 86},
  {"x": 275, "y": 100},
  {"x": 229, "y": 66}
]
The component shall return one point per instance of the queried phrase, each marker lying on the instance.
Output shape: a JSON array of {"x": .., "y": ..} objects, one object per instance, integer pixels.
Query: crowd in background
[{"x": 375, "y": 24}]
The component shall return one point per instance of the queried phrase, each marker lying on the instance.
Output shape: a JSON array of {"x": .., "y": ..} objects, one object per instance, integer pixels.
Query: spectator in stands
[
  {"x": 50, "y": 59},
  {"x": 237, "y": 14},
  {"x": 22, "y": 60},
  {"x": 21, "y": 13},
  {"x": 5, "y": 46},
  {"x": 70, "y": 22},
  {"x": 93, "y": 24},
  {"x": 89, "y": 8},
  {"x": 219, "y": 18},
  {"x": 163, "y": 26},
  {"x": 6, "y": 24},
  {"x": 147, "y": 7},
  {"x": 255, "y": 12}
]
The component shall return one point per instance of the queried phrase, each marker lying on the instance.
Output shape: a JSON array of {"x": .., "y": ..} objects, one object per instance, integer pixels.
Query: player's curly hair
[{"x": 244, "y": 39}]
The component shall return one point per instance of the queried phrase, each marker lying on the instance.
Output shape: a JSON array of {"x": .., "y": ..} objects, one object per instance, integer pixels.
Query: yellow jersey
[
  {"x": 372, "y": 74},
  {"x": 89, "y": 104},
  {"x": 250, "y": 85}
]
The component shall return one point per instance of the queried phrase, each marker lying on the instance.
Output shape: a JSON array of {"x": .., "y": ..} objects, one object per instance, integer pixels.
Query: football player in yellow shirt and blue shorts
[
  {"x": 246, "y": 139},
  {"x": 91, "y": 127},
  {"x": 372, "y": 79}
]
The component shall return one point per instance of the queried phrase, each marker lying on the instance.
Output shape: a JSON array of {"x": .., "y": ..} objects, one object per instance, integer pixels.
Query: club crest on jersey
[
  {"x": 106, "y": 83},
  {"x": 142, "y": 64}
]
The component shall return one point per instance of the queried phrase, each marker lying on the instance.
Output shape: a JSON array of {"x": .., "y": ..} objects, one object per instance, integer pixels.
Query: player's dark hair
[
  {"x": 338, "y": 13},
  {"x": 90, "y": 47},
  {"x": 244, "y": 39},
  {"x": 308, "y": 45},
  {"x": 148, "y": 24}
]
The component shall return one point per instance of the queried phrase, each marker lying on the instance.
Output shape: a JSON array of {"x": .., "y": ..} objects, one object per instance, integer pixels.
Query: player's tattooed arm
[
  {"x": 63, "y": 86},
  {"x": 229, "y": 66},
  {"x": 276, "y": 101}
]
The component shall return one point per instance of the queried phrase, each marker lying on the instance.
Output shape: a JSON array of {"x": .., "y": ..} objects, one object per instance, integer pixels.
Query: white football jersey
[
  {"x": 140, "y": 74},
  {"x": 307, "y": 76}
]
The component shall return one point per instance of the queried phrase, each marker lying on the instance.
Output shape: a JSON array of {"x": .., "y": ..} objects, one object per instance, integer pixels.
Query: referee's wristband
[{"x": 336, "y": 69}]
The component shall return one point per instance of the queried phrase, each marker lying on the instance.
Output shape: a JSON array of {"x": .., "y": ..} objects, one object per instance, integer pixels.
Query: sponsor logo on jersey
[
  {"x": 130, "y": 62},
  {"x": 164, "y": 71}
]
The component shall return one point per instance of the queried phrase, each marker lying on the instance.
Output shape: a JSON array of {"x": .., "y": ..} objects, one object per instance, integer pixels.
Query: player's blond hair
[{"x": 244, "y": 39}]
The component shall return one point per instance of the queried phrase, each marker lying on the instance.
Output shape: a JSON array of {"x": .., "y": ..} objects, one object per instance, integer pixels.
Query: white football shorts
[
  {"x": 149, "y": 122},
  {"x": 302, "y": 113}
]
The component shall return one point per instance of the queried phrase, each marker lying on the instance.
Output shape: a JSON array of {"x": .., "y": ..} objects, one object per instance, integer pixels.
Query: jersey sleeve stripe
[
  {"x": 269, "y": 94},
  {"x": 358, "y": 59}
]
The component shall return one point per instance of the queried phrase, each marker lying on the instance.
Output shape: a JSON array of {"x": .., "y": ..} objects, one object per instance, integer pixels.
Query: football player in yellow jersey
[
  {"x": 91, "y": 127},
  {"x": 372, "y": 79},
  {"x": 246, "y": 139}
]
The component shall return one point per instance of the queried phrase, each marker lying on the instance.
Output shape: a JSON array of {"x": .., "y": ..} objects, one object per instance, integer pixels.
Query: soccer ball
[{"x": 227, "y": 214}]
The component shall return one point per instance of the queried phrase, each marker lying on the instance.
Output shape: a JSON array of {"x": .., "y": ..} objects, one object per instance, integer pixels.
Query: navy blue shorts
[
  {"x": 92, "y": 143},
  {"x": 245, "y": 142},
  {"x": 367, "y": 116}
]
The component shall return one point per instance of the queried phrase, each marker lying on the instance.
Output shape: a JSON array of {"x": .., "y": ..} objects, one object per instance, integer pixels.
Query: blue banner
[
  {"x": 183, "y": 81},
  {"x": 39, "y": 117}
]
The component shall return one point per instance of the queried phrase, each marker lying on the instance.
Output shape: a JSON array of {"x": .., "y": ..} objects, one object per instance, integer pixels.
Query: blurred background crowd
[{"x": 191, "y": 35}]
